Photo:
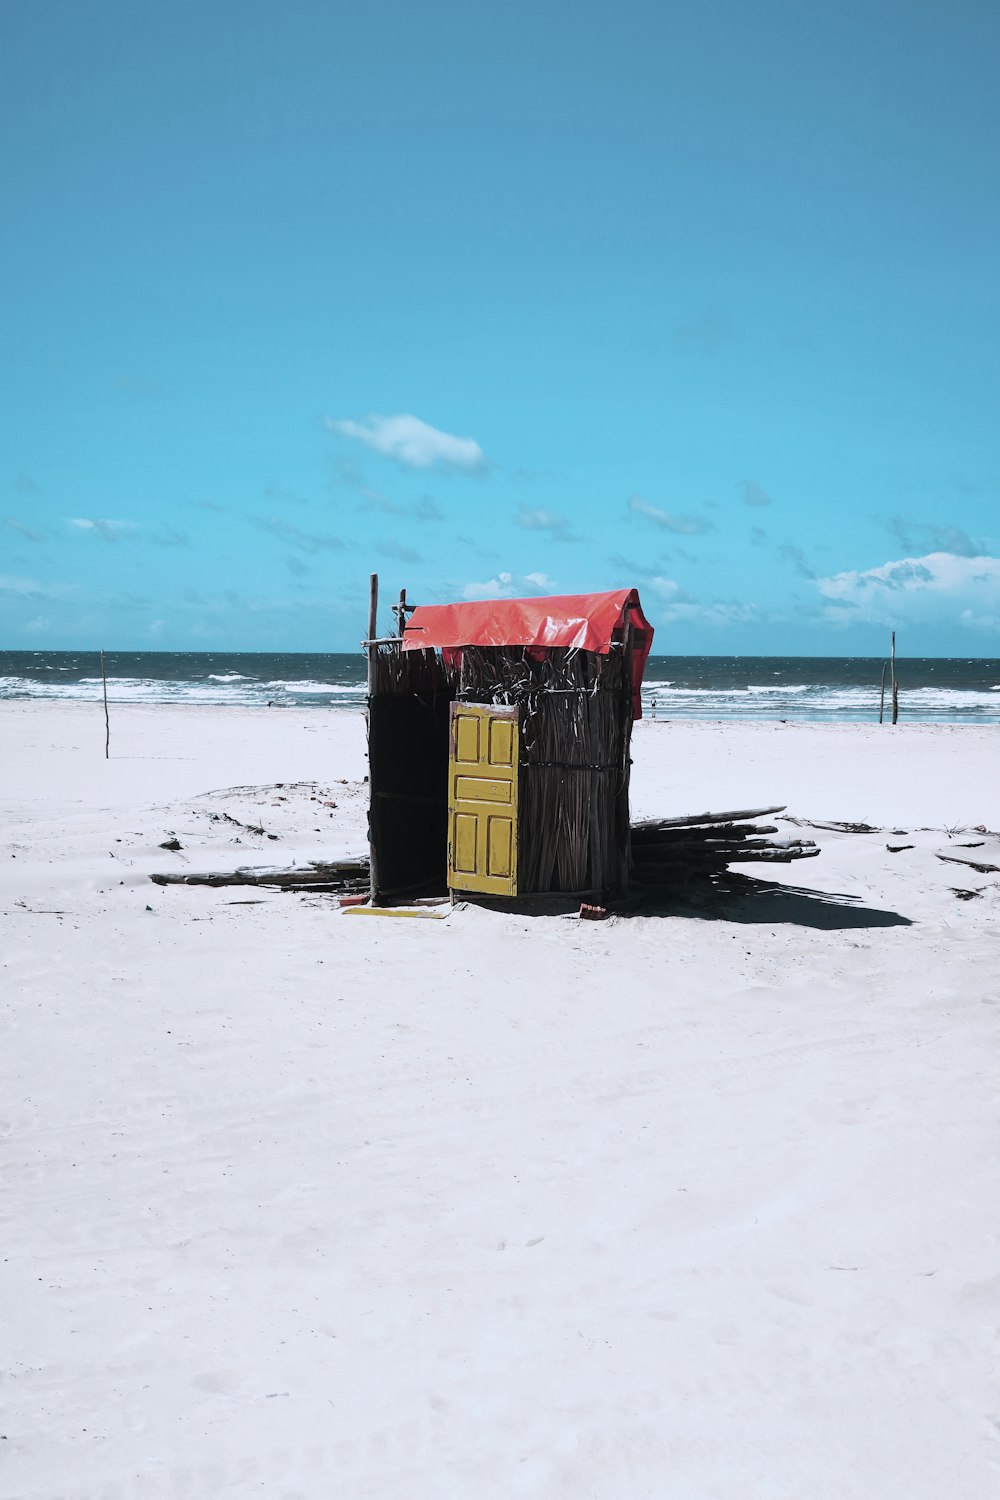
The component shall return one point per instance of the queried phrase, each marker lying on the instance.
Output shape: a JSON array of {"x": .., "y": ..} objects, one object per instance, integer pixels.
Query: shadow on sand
[
  {"x": 743, "y": 898},
  {"x": 729, "y": 898}
]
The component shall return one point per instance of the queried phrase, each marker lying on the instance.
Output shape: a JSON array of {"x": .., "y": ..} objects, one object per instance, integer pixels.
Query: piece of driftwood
[
  {"x": 228, "y": 818},
  {"x": 973, "y": 864},
  {"x": 343, "y": 876},
  {"x": 694, "y": 820},
  {"x": 831, "y": 827}
]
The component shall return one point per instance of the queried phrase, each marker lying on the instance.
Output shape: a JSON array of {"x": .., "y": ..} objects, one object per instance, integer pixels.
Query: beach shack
[{"x": 499, "y": 737}]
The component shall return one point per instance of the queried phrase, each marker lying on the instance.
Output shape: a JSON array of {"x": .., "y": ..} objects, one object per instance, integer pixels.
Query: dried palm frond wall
[
  {"x": 576, "y": 729},
  {"x": 399, "y": 673}
]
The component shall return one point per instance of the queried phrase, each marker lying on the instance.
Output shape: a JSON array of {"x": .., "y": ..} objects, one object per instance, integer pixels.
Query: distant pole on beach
[
  {"x": 881, "y": 700},
  {"x": 107, "y": 722},
  {"x": 895, "y": 684}
]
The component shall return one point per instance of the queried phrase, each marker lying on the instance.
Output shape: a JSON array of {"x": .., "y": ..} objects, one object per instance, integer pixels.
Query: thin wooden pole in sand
[
  {"x": 107, "y": 722},
  {"x": 881, "y": 701},
  {"x": 372, "y": 650},
  {"x": 895, "y": 684}
]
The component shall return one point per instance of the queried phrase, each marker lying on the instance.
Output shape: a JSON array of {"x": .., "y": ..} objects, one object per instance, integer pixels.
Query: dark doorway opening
[{"x": 408, "y": 765}]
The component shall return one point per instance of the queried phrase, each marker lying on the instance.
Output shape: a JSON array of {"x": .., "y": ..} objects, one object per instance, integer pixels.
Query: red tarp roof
[{"x": 590, "y": 622}]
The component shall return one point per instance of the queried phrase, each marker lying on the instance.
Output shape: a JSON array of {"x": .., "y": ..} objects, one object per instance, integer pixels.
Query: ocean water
[{"x": 800, "y": 688}]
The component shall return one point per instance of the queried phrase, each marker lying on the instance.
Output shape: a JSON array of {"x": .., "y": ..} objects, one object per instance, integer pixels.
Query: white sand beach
[{"x": 698, "y": 1203}]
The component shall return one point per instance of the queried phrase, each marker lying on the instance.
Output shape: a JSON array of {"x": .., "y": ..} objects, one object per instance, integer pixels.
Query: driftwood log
[
  {"x": 974, "y": 864},
  {"x": 345, "y": 877}
]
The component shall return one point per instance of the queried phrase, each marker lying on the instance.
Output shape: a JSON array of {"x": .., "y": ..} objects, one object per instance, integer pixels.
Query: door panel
[{"x": 482, "y": 799}]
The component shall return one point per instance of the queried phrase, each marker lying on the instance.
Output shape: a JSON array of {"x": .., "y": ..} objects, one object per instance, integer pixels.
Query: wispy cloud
[
  {"x": 25, "y": 485},
  {"x": 348, "y": 475},
  {"x": 139, "y": 385},
  {"x": 413, "y": 443},
  {"x": 753, "y": 494},
  {"x": 486, "y": 553},
  {"x": 706, "y": 334},
  {"x": 925, "y": 536},
  {"x": 399, "y": 551},
  {"x": 634, "y": 569},
  {"x": 108, "y": 531},
  {"x": 305, "y": 541},
  {"x": 529, "y": 476},
  {"x": 939, "y": 587},
  {"x": 27, "y": 532},
  {"x": 29, "y": 588},
  {"x": 509, "y": 586},
  {"x": 427, "y": 509},
  {"x": 285, "y": 496},
  {"x": 718, "y": 613},
  {"x": 556, "y": 525},
  {"x": 667, "y": 590},
  {"x": 796, "y": 558},
  {"x": 680, "y": 525},
  {"x": 212, "y": 505}
]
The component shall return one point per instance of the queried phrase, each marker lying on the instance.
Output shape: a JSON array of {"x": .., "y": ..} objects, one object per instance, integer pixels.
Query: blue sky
[{"x": 533, "y": 298}]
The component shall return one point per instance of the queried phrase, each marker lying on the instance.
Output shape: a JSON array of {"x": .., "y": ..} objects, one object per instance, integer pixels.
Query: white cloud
[
  {"x": 509, "y": 586},
  {"x": 940, "y": 587},
  {"x": 681, "y": 525},
  {"x": 413, "y": 443},
  {"x": 667, "y": 589},
  {"x": 109, "y": 531}
]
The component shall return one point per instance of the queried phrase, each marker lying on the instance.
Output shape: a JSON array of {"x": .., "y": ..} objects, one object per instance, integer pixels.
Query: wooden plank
[{"x": 694, "y": 820}]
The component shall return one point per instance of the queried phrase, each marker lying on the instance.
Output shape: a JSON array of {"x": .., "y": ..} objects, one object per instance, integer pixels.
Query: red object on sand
[
  {"x": 591, "y": 913},
  {"x": 588, "y": 622}
]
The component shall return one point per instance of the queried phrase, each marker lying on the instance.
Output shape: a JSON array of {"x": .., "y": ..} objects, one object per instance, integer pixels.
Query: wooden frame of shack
[{"x": 499, "y": 736}]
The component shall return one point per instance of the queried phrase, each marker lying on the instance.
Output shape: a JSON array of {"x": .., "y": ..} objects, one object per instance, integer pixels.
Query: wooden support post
[
  {"x": 399, "y": 610},
  {"x": 372, "y": 628},
  {"x": 372, "y": 650},
  {"x": 107, "y": 722},
  {"x": 881, "y": 701},
  {"x": 895, "y": 685}
]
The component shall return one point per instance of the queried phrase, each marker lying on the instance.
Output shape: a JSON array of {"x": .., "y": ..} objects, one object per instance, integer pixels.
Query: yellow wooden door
[{"x": 482, "y": 799}]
